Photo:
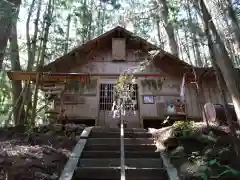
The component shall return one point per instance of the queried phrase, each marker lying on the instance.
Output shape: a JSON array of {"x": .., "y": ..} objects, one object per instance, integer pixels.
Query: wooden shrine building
[{"x": 103, "y": 59}]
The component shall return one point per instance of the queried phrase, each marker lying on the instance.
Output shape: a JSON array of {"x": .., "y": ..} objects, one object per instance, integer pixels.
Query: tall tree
[
  {"x": 193, "y": 31},
  {"x": 15, "y": 63},
  {"x": 47, "y": 23},
  {"x": 8, "y": 10},
  {"x": 223, "y": 61},
  {"x": 168, "y": 27},
  {"x": 67, "y": 34},
  {"x": 221, "y": 84},
  {"x": 234, "y": 21}
]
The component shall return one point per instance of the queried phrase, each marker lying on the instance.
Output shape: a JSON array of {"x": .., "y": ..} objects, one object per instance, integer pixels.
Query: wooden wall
[
  {"x": 170, "y": 90},
  {"x": 101, "y": 62},
  {"x": 209, "y": 93}
]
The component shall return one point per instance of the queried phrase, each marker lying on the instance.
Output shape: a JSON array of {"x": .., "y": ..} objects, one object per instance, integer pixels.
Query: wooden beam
[
  {"x": 57, "y": 86},
  {"x": 176, "y": 94},
  {"x": 53, "y": 92},
  {"x": 56, "y": 77},
  {"x": 47, "y": 76}
]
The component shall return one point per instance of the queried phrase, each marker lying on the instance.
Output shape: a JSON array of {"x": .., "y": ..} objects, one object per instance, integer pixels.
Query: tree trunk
[
  {"x": 221, "y": 84},
  {"x": 160, "y": 41},
  {"x": 30, "y": 41},
  {"x": 8, "y": 11},
  {"x": 234, "y": 22},
  {"x": 48, "y": 22},
  {"x": 84, "y": 19},
  {"x": 32, "y": 48},
  {"x": 67, "y": 34},
  {"x": 168, "y": 27},
  {"x": 15, "y": 64},
  {"x": 223, "y": 61},
  {"x": 181, "y": 53},
  {"x": 193, "y": 32},
  {"x": 229, "y": 39}
]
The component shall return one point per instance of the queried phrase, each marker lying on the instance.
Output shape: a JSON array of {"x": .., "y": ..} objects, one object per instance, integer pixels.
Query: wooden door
[{"x": 106, "y": 99}]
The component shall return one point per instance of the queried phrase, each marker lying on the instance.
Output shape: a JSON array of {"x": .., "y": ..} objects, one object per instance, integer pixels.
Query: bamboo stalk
[
  {"x": 15, "y": 105},
  {"x": 35, "y": 98},
  {"x": 23, "y": 102},
  {"x": 41, "y": 108}
]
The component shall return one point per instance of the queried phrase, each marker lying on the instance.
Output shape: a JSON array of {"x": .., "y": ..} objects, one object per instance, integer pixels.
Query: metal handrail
[{"x": 122, "y": 148}]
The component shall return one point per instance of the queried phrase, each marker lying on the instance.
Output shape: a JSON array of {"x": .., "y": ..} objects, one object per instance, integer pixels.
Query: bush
[{"x": 183, "y": 128}]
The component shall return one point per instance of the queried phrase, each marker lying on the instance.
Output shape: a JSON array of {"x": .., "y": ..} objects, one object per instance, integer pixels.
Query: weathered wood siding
[
  {"x": 209, "y": 92},
  {"x": 118, "y": 48},
  {"x": 101, "y": 62},
  {"x": 192, "y": 105},
  {"x": 170, "y": 90}
]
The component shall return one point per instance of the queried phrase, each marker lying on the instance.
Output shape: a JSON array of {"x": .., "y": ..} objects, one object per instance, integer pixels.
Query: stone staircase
[{"x": 100, "y": 159}]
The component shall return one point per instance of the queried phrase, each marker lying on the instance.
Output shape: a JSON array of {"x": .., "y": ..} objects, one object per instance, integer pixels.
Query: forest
[{"x": 36, "y": 32}]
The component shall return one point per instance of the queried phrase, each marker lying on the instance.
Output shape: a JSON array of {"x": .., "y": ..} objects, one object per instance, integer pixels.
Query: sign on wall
[{"x": 148, "y": 100}]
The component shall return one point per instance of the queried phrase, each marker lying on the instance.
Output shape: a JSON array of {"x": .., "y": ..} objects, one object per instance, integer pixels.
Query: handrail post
[{"x": 122, "y": 147}]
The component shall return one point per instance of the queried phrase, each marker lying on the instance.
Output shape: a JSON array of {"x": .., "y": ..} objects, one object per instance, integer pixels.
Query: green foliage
[
  {"x": 123, "y": 89},
  {"x": 91, "y": 18},
  {"x": 183, "y": 128},
  {"x": 5, "y": 94},
  {"x": 214, "y": 162},
  {"x": 211, "y": 166},
  {"x": 114, "y": 3},
  {"x": 123, "y": 81},
  {"x": 173, "y": 9}
]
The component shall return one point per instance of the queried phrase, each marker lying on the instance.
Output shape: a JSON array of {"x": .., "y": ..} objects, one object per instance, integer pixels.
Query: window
[
  {"x": 107, "y": 97},
  {"x": 119, "y": 49},
  {"x": 148, "y": 100}
]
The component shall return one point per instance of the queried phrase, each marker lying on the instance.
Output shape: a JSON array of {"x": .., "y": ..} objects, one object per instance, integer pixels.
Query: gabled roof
[
  {"x": 87, "y": 47},
  {"x": 103, "y": 40}
]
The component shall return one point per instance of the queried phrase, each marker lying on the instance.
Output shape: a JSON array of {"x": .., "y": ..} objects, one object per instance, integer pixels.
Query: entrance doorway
[
  {"x": 106, "y": 99},
  {"x": 152, "y": 123},
  {"x": 87, "y": 122}
]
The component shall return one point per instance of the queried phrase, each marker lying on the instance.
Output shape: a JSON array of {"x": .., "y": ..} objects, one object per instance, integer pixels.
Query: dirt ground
[
  {"x": 37, "y": 155},
  {"x": 199, "y": 153}
]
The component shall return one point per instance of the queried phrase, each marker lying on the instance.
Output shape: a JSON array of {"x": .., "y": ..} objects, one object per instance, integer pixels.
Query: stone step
[
  {"x": 117, "y": 135},
  {"x": 100, "y": 129},
  {"x": 116, "y": 154},
  {"x": 92, "y": 141},
  {"x": 90, "y": 173},
  {"x": 116, "y": 147},
  {"x": 133, "y": 163}
]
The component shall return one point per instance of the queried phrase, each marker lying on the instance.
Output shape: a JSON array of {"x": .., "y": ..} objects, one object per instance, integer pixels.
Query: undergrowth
[
  {"x": 226, "y": 170},
  {"x": 183, "y": 128},
  {"x": 213, "y": 168}
]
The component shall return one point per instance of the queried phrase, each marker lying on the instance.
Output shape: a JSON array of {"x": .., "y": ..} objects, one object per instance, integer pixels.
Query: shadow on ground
[{"x": 40, "y": 154}]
